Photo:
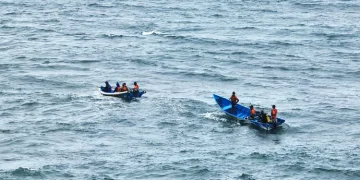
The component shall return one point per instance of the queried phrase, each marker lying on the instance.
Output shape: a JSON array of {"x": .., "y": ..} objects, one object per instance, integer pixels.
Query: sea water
[{"x": 303, "y": 56}]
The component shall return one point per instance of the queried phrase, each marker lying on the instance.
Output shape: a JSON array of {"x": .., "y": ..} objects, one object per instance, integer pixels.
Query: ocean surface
[{"x": 301, "y": 55}]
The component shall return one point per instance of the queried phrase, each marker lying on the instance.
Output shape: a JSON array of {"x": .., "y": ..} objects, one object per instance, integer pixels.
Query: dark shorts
[{"x": 233, "y": 104}]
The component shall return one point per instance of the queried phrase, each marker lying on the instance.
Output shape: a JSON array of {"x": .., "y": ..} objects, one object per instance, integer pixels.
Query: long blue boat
[
  {"x": 126, "y": 94},
  {"x": 242, "y": 113}
]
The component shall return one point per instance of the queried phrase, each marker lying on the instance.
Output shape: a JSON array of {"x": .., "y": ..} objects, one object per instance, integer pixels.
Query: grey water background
[{"x": 302, "y": 55}]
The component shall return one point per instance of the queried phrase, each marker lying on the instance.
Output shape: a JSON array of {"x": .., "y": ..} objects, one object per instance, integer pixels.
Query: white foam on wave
[
  {"x": 150, "y": 32},
  {"x": 214, "y": 116}
]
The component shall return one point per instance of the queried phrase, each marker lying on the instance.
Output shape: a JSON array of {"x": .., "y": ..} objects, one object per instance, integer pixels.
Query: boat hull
[{"x": 127, "y": 94}]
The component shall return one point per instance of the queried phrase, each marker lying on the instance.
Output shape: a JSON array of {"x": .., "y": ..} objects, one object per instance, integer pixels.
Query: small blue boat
[
  {"x": 242, "y": 113},
  {"x": 126, "y": 94}
]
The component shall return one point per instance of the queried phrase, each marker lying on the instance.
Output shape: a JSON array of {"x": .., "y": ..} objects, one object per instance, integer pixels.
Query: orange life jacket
[
  {"x": 253, "y": 112},
  {"x": 273, "y": 113},
  {"x": 136, "y": 86},
  {"x": 233, "y": 98}
]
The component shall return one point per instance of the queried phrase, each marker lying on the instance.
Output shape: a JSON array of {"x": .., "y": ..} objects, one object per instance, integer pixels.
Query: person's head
[
  {"x": 273, "y": 106},
  {"x": 135, "y": 83},
  {"x": 251, "y": 107},
  {"x": 262, "y": 111},
  {"x": 233, "y": 93},
  {"x": 106, "y": 82},
  {"x": 117, "y": 84},
  {"x": 124, "y": 84}
]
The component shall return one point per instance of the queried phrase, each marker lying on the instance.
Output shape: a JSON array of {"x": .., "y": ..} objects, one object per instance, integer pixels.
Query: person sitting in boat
[
  {"x": 264, "y": 117},
  {"x": 136, "y": 87},
  {"x": 118, "y": 88},
  {"x": 124, "y": 87},
  {"x": 107, "y": 87},
  {"x": 234, "y": 99},
  {"x": 252, "y": 112}
]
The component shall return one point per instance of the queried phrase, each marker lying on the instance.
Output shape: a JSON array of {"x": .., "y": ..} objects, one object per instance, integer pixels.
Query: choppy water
[{"x": 301, "y": 55}]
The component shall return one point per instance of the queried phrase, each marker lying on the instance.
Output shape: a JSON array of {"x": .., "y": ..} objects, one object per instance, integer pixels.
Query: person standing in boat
[
  {"x": 107, "y": 87},
  {"x": 118, "y": 88},
  {"x": 136, "y": 87},
  {"x": 124, "y": 87},
  {"x": 252, "y": 112},
  {"x": 234, "y": 100},
  {"x": 274, "y": 114}
]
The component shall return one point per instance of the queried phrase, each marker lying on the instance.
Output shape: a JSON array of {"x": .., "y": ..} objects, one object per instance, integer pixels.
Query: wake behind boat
[{"x": 242, "y": 113}]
